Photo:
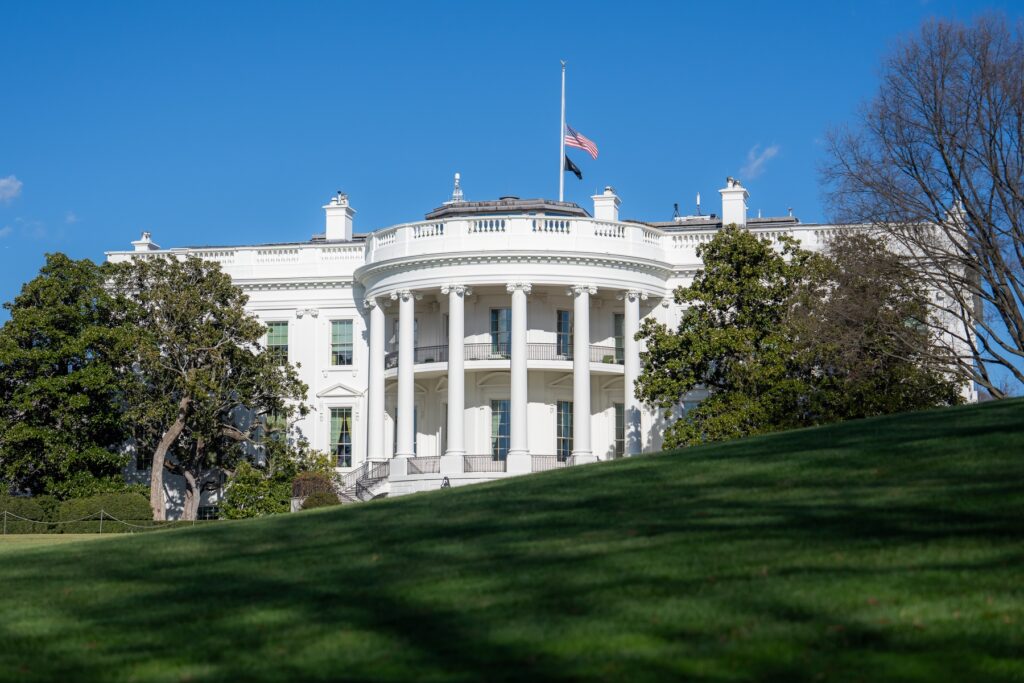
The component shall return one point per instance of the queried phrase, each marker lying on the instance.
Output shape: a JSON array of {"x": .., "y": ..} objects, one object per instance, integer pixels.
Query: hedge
[
  {"x": 22, "y": 507},
  {"x": 320, "y": 499},
  {"x": 128, "y": 507}
]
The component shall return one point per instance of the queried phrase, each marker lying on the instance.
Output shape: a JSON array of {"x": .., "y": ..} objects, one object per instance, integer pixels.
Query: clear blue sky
[{"x": 232, "y": 123}]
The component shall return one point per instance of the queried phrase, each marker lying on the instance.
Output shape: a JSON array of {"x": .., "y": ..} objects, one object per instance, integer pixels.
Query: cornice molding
[
  {"x": 657, "y": 268},
  {"x": 283, "y": 285}
]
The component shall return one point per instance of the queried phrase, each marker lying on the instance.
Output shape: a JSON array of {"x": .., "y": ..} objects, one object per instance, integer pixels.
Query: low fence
[
  {"x": 483, "y": 463},
  {"x": 543, "y": 463},
  {"x": 101, "y": 522}
]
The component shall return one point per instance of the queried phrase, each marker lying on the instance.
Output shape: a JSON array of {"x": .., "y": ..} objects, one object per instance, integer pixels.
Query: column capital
[
  {"x": 460, "y": 290},
  {"x": 405, "y": 295},
  {"x": 311, "y": 312},
  {"x": 518, "y": 286},
  {"x": 631, "y": 295},
  {"x": 576, "y": 290},
  {"x": 370, "y": 302}
]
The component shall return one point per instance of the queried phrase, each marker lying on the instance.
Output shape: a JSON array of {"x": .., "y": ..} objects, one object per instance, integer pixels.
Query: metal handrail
[
  {"x": 483, "y": 463},
  {"x": 545, "y": 462},
  {"x": 502, "y": 351}
]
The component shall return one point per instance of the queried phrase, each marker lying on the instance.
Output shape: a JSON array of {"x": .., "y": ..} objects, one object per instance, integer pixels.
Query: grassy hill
[{"x": 881, "y": 550}]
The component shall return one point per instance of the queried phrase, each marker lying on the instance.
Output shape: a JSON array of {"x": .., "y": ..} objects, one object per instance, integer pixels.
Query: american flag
[{"x": 579, "y": 141}]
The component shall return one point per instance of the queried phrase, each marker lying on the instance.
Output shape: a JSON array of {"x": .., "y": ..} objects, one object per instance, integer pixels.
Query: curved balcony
[
  {"x": 515, "y": 233},
  {"x": 501, "y": 351}
]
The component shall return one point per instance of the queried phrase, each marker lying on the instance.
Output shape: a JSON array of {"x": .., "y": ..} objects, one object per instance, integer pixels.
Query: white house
[{"x": 490, "y": 339}]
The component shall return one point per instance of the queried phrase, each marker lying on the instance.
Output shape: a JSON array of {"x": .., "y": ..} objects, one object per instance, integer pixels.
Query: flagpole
[{"x": 561, "y": 143}]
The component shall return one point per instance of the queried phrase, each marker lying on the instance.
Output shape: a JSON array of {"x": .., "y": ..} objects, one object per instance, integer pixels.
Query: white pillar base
[
  {"x": 452, "y": 463},
  {"x": 519, "y": 463},
  {"x": 584, "y": 458}
]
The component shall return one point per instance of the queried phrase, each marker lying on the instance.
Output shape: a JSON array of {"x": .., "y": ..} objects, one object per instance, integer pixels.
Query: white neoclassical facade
[{"x": 490, "y": 339}]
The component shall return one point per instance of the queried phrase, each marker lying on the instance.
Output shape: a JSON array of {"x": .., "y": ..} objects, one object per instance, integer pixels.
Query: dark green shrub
[
  {"x": 131, "y": 508},
  {"x": 250, "y": 493},
  {"x": 51, "y": 508},
  {"x": 28, "y": 508},
  {"x": 320, "y": 499},
  {"x": 308, "y": 483}
]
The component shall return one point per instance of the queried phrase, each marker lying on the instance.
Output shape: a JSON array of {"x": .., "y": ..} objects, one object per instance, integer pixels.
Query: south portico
[{"x": 525, "y": 348}]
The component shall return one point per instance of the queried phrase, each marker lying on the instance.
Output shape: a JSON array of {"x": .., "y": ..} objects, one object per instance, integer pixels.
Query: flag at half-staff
[
  {"x": 569, "y": 166},
  {"x": 576, "y": 139}
]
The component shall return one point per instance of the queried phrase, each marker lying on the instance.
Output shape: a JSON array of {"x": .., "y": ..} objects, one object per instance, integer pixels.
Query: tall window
[
  {"x": 563, "y": 431},
  {"x": 341, "y": 342},
  {"x": 619, "y": 322},
  {"x": 563, "y": 328},
  {"x": 501, "y": 330},
  {"x": 499, "y": 429},
  {"x": 341, "y": 436},
  {"x": 277, "y": 341},
  {"x": 620, "y": 430}
]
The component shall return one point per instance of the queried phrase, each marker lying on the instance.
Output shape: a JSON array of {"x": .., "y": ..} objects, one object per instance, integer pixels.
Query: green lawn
[
  {"x": 880, "y": 550},
  {"x": 19, "y": 541}
]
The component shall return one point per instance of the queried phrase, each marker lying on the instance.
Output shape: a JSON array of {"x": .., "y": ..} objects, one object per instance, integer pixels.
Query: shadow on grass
[{"x": 879, "y": 550}]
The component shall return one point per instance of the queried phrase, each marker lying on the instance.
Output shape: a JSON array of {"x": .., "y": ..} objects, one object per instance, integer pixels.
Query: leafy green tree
[
  {"x": 250, "y": 493},
  {"x": 207, "y": 386},
  {"x": 732, "y": 341},
  {"x": 63, "y": 383},
  {"x": 254, "y": 491},
  {"x": 786, "y": 338}
]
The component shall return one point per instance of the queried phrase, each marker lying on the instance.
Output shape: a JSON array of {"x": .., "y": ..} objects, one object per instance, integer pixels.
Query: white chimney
[
  {"x": 734, "y": 203},
  {"x": 606, "y": 205},
  {"x": 145, "y": 243},
  {"x": 339, "y": 218}
]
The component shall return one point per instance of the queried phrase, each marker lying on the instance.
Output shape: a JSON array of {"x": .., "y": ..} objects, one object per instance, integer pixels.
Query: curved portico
[{"x": 530, "y": 283}]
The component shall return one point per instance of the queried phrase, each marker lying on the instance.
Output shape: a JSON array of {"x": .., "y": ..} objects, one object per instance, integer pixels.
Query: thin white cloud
[
  {"x": 70, "y": 217},
  {"x": 5, "y": 231},
  {"x": 10, "y": 188},
  {"x": 757, "y": 159}
]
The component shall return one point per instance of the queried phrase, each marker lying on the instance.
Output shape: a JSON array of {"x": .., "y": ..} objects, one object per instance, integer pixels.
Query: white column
[
  {"x": 581, "y": 451},
  {"x": 518, "y": 447},
  {"x": 451, "y": 461},
  {"x": 375, "y": 407},
  {"x": 631, "y": 370},
  {"x": 406, "y": 390}
]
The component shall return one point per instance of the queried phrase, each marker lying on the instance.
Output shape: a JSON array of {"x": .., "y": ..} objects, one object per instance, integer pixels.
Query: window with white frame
[
  {"x": 499, "y": 429},
  {"x": 277, "y": 340},
  {"x": 620, "y": 430},
  {"x": 341, "y": 342},
  {"x": 563, "y": 431},
  {"x": 563, "y": 334},
  {"x": 501, "y": 330},
  {"x": 341, "y": 436}
]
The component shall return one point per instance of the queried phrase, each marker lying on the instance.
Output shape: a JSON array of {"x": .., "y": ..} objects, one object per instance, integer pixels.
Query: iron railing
[
  {"x": 430, "y": 464},
  {"x": 502, "y": 351},
  {"x": 483, "y": 463},
  {"x": 543, "y": 463}
]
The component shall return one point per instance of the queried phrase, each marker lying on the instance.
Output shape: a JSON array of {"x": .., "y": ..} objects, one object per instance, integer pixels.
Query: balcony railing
[
  {"x": 502, "y": 351},
  {"x": 543, "y": 463},
  {"x": 483, "y": 463}
]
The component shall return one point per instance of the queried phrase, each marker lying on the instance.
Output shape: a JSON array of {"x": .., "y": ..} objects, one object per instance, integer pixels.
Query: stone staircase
[{"x": 366, "y": 482}]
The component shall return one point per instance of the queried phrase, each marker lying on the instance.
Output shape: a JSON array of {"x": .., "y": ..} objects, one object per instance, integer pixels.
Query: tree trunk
[
  {"x": 192, "y": 496},
  {"x": 156, "y": 479}
]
